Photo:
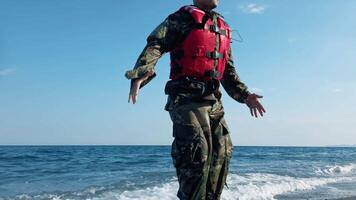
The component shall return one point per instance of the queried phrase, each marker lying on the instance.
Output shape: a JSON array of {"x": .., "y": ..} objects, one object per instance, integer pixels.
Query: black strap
[{"x": 212, "y": 73}]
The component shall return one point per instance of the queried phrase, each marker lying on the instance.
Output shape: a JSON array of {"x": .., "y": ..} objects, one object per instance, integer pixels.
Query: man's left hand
[{"x": 254, "y": 105}]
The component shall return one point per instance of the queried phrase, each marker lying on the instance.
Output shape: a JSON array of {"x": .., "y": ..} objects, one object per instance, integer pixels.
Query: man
[{"x": 198, "y": 40}]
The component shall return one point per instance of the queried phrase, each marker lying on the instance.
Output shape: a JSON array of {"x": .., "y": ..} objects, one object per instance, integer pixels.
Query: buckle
[
  {"x": 214, "y": 55},
  {"x": 216, "y": 74},
  {"x": 216, "y": 29}
]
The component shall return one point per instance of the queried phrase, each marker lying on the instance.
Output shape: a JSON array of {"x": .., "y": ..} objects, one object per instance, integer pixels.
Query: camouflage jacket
[{"x": 165, "y": 37}]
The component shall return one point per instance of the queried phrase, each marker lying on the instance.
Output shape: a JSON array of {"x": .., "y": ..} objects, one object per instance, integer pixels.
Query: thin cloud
[
  {"x": 6, "y": 71},
  {"x": 253, "y": 8}
]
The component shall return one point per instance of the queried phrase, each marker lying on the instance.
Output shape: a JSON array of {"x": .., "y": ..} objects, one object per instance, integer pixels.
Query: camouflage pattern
[
  {"x": 202, "y": 146},
  {"x": 201, "y": 150},
  {"x": 165, "y": 37}
]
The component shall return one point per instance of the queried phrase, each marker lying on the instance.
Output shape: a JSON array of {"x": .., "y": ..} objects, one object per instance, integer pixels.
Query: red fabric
[{"x": 195, "y": 46}]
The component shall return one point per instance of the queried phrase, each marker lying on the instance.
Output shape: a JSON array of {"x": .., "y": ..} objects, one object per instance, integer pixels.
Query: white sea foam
[
  {"x": 166, "y": 191},
  {"x": 253, "y": 186},
  {"x": 258, "y": 186},
  {"x": 337, "y": 170}
]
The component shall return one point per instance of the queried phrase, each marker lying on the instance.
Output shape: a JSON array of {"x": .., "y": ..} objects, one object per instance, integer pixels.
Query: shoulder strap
[{"x": 196, "y": 13}]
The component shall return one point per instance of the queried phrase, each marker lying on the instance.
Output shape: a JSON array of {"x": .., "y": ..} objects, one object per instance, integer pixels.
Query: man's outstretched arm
[
  {"x": 161, "y": 40},
  {"x": 237, "y": 90},
  {"x": 143, "y": 71},
  {"x": 148, "y": 58}
]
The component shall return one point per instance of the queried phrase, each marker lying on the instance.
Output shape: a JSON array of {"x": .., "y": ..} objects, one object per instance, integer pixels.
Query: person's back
[{"x": 198, "y": 40}]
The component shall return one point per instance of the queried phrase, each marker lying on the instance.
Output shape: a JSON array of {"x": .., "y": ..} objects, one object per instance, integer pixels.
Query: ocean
[{"x": 147, "y": 173}]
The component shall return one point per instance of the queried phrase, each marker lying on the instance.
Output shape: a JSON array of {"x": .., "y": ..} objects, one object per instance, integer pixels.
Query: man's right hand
[{"x": 135, "y": 87}]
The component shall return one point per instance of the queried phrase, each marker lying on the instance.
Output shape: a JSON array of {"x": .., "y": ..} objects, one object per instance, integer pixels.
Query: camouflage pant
[{"x": 201, "y": 149}]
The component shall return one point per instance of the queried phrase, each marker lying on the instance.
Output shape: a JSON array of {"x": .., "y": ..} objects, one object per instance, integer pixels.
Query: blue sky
[{"x": 62, "y": 66}]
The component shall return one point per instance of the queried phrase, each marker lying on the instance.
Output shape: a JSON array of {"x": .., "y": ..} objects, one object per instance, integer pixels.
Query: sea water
[{"x": 147, "y": 173}]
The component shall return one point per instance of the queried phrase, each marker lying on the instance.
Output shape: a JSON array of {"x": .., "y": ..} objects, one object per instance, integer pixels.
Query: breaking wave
[
  {"x": 337, "y": 170},
  {"x": 253, "y": 186},
  {"x": 258, "y": 186}
]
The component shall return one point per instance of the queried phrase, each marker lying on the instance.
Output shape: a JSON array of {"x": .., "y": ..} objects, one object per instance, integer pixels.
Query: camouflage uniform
[{"x": 202, "y": 147}]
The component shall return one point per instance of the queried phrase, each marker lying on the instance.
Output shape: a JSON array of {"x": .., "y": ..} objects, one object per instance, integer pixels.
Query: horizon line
[{"x": 316, "y": 146}]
